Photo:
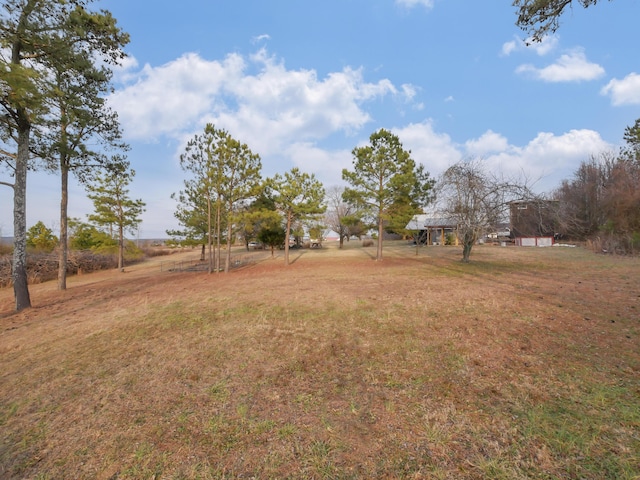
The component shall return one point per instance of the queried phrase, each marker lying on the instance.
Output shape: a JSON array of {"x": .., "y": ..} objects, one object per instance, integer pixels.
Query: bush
[
  {"x": 615, "y": 244},
  {"x": 450, "y": 239},
  {"x": 41, "y": 239}
]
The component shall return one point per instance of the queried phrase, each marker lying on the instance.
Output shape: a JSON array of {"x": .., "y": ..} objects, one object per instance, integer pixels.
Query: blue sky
[{"x": 303, "y": 83}]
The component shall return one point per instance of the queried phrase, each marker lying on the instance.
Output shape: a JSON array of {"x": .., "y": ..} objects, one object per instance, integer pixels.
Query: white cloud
[
  {"x": 126, "y": 70},
  {"x": 409, "y": 91},
  {"x": 260, "y": 38},
  {"x": 167, "y": 99},
  {"x": 545, "y": 160},
  {"x": 326, "y": 164},
  {"x": 256, "y": 99},
  {"x": 625, "y": 91},
  {"x": 414, "y": 3},
  {"x": 547, "y": 45},
  {"x": 434, "y": 150},
  {"x": 570, "y": 67},
  {"x": 509, "y": 47},
  {"x": 489, "y": 142},
  {"x": 548, "y": 158},
  {"x": 544, "y": 47}
]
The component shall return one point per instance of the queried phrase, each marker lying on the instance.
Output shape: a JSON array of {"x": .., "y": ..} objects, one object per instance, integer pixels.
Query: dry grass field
[{"x": 524, "y": 364}]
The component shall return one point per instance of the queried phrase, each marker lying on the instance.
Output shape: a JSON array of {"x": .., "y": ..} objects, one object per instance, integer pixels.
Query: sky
[{"x": 303, "y": 83}]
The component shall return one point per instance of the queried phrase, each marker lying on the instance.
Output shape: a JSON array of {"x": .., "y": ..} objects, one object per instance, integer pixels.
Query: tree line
[{"x": 226, "y": 194}]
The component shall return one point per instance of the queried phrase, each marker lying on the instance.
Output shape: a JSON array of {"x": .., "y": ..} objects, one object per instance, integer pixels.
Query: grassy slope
[{"x": 523, "y": 364}]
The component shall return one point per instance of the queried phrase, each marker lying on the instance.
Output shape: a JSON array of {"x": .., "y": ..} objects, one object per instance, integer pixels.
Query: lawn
[{"x": 523, "y": 364}]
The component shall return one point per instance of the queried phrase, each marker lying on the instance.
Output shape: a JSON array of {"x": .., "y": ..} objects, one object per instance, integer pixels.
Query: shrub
[
  {"x": 40, "y": 238},
  {"x": 615, "y": 244},
  {"x": 43, "y": 267}
]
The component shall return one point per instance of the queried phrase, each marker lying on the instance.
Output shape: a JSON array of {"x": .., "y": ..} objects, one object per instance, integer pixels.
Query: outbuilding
[{"x": 533, "y": 222}]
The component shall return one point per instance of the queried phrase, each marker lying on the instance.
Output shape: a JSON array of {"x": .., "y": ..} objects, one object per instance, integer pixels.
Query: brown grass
[{"x": 523, "y": 364}]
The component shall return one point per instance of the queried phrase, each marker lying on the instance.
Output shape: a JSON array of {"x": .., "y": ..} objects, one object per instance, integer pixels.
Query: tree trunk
[
  {"x": 209, "y": 234},
  {"x": 380, "y": 232},
  {"x": 121, "y": 248},
  {"x": 19, "y": 273},
  {"x": 286, "y": 240},
  {"x": 467, "y": 244},
  {"x": 466, "y": 251},
  {"x": 218, "y": 233},
  {"x": 63, "y": 245},
  {"x": 227, "y": 263}
]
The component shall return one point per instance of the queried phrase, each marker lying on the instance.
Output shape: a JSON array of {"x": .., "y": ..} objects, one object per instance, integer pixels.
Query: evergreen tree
[
  {"x": 273, "y": 237},
  {"x": 385, "y": 181},
  {"x": 297, "y": 195},
  {"x": 113, "y": 207},
  {"x": 79, "y": 121},
  {"x": 225, "y": 172},
  {"x": 192, "y": 214},
  {"x": 41, "y": 238},
  {"x": 260, "y": 214}
]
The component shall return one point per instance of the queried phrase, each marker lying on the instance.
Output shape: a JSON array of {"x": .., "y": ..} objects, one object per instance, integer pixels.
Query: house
[{"x": 432, "y": 230}]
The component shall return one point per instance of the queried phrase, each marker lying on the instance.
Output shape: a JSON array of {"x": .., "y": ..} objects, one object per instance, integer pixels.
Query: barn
[{"x": 533, "y": 222}]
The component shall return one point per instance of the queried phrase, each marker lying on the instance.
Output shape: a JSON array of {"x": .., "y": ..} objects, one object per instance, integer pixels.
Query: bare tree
[
  {"x": 581, "y": 198},
  {"x": 339, "y": 213},
  {"x": 601, "y": 202},
  {"x": 476, "y": 200}
]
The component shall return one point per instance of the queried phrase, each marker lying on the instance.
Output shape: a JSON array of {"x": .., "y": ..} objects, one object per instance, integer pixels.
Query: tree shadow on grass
[{"x": 297, "y": 257}]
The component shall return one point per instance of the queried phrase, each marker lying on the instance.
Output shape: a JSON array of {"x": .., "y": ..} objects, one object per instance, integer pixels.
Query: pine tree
[
  {"x": 113, "y": 207},
  {"x": 297, "y": 196}
]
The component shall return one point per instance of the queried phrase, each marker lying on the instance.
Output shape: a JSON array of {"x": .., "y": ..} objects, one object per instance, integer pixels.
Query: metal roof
[{"x": 423, "y": 221}]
